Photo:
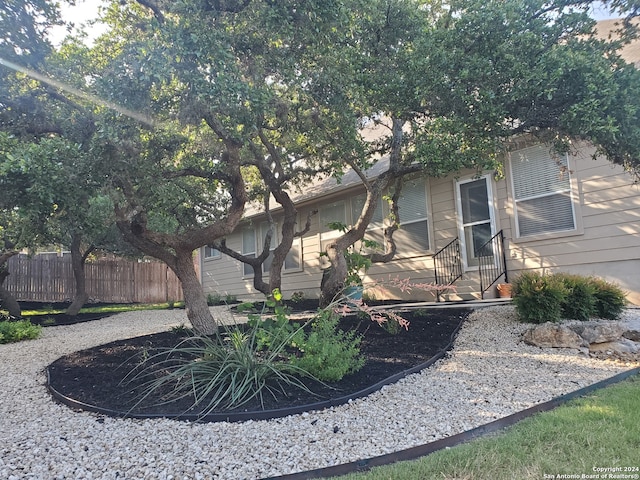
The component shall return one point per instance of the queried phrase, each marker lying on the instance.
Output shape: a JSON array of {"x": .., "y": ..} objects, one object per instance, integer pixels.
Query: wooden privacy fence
[{"x": 49, "y": 278}]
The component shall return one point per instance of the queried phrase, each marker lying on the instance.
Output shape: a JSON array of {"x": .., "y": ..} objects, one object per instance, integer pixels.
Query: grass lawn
[
  {"x": 601, "y": 430},
  {"x": 115, "y": 308}
]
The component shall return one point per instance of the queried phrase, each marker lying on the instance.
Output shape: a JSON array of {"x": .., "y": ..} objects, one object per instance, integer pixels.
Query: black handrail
[
  {"x": 448, "y": 264},
  {"x": 492, "y": 262}
]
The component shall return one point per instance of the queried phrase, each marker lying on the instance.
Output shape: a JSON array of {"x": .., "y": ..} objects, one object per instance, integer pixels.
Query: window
[
  {"x": 413, "y": 234},
  {"x": 332, "y": 213},
  {"x": 211, "y": 252},
  {"x": 253, "y": 242},
  {"x": 248, "y": 248},
  {"x": 375, "y": 230},
  {"x": 541, "y": 192}
]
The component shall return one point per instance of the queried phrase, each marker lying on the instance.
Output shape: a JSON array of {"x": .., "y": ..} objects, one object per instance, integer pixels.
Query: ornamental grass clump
[{"x": 219, "y": 373}]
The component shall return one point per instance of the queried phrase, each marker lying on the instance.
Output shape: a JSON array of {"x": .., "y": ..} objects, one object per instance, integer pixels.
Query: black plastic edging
[
  {"x": 428, "y": 448},
  {"x": 260, "y": 414}
]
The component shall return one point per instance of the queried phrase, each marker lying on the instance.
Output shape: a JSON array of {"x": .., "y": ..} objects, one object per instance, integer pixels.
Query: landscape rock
[
  {"x": 550, "y": 335},
  {"x": 599, "y": 332},
  {"x": 489, "y": 374},
  {"x": 621, "y": 346},
  {"x": 633, "y": 335}
]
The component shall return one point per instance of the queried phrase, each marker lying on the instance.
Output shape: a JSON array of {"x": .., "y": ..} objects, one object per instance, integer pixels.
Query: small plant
[
  {"x": 327, "y": 352},
  {"x": 16, "y": 331},
  {"x": 271, "y": 331},
  {"x": 392, "y": 326},
  {"x": 297, "y": 297},
  {"x": 48, "y": 321},
  {"x": 538, "y": 298},
  {"x": 369, "y": 297},
  {"x": 214, "y": 299},
  {"x": 171, "y": 304},
  {"x": 181, "y": 330},
  {"x": 246, "y": 307},
  {"x": 230, "y": 298}
]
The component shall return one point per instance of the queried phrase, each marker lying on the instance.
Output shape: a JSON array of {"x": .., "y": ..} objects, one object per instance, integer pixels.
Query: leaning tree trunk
[
  {"x": 195, "y": 300},
  {"x": 77, "y": 264}
]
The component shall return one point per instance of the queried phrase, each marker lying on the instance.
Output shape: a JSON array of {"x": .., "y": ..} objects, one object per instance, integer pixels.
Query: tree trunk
[
  {"x": 7, "y": 300},
  {"x": 333, "y": 278},
  {"x": 77, "y": 264},
  {"x": 195, "y": 300}
]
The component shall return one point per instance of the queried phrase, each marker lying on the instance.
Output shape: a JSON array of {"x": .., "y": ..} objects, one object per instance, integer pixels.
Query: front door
[{"x": 475, "y": 218}]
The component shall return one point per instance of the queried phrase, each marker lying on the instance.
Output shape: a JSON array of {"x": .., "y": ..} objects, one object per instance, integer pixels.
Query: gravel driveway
[{"x": 488, "y": 375}]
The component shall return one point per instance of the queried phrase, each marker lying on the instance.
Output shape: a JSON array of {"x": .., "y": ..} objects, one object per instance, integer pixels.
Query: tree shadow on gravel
[{"x": 94, "y": 376}]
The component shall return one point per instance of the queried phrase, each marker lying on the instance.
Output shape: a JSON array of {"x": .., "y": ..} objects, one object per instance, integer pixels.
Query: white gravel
[{"x": 488, "y": 375}]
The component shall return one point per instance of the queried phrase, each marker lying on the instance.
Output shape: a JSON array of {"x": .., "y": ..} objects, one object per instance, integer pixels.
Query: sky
[{"x": 88, "y": 9}]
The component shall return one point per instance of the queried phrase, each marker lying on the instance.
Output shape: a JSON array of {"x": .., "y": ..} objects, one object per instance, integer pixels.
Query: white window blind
[
  {"x": 413, "y": 234},
  {"x": 542, "y": 192}
]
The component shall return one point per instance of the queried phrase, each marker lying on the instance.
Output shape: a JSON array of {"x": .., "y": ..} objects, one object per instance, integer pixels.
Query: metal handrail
[
  {"x": 492, "y": 262},
  {"x": 448, "y": 264}
]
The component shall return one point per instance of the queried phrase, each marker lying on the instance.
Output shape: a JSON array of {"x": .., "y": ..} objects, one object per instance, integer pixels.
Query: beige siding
[{"x": 606, "y": 243}]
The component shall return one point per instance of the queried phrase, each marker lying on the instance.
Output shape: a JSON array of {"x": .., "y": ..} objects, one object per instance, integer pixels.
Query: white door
[{"x": 476, "y": 222}]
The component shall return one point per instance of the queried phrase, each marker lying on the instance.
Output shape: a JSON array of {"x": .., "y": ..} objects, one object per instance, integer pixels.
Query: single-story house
[
  {"x": 548, "y": 213},
  {"x": 569, "y": 213}
]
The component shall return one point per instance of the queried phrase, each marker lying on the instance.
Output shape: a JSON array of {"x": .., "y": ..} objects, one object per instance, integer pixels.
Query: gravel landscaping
[{"x": 488, "y": 375}]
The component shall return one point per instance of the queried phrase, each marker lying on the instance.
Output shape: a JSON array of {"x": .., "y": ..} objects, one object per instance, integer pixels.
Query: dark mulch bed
[{"x": 94, "y": 376}]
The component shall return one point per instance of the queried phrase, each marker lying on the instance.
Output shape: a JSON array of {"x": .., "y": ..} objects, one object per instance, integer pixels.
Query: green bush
[
  {"x": 580, "y": 303},
  {"x": 610, "y": 299},
  {"x": 545, "y": 298},
  {"x": 538, "y": 298},
  {"x": 16, "y": 331},
  {"x": 328, "y": 353}
]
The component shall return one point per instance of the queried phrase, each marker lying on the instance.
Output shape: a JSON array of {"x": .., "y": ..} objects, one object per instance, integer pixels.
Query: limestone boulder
[
  {"x": 599, "y": 332},
  {"x": 550, "y": 335},
  {"x": 623, "y": 346},
  {"x": 633, "y": 335}
]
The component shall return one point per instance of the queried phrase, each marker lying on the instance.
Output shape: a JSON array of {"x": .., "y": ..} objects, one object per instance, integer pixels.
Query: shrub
[
  {"x": 16, "y": 331},
  {"x": 580, "y": 302},
  {"x": 328, "y": 353},
  {"x": 610, "y": 299},
  {"x": 538, "y": 298}
]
